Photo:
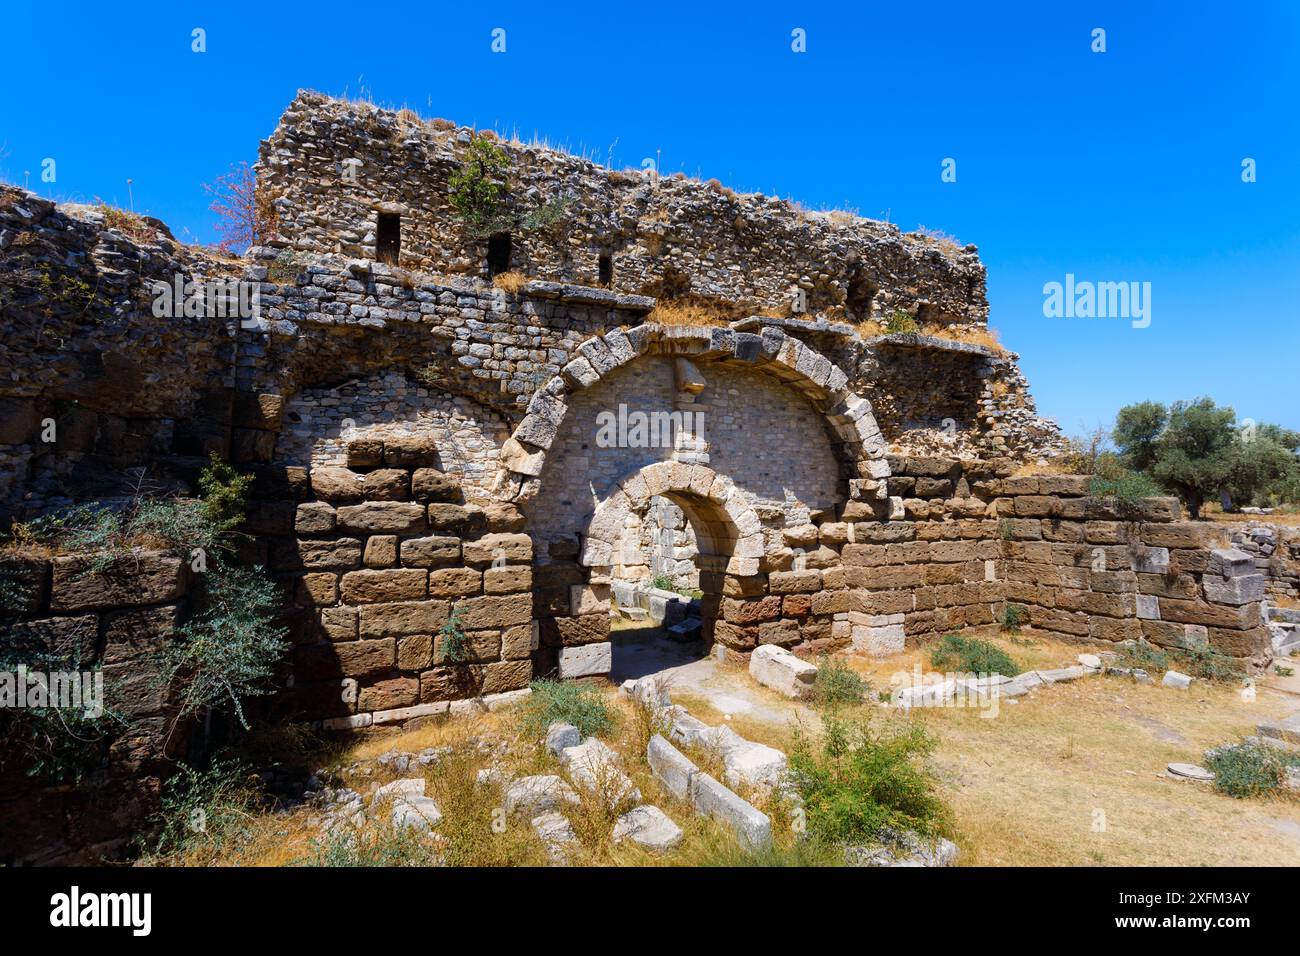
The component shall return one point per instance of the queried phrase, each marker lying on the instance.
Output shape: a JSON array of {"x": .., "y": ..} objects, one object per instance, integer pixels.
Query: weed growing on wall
[{"x": 227, "y": 650}]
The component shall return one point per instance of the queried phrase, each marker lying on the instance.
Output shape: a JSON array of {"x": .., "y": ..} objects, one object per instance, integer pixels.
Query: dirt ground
[{"x": 1071, "y": 774}]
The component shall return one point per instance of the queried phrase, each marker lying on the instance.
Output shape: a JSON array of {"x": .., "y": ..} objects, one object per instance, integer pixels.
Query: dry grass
[
  {"x": 985, "y": 337},
  {"x": 688, "y": 312},
  {"x": 1025, "y": 785},
  {"x": 949, "y": 243},
  {"x": 511, "y": 282},
  {"x": 1213, "y": 511}
]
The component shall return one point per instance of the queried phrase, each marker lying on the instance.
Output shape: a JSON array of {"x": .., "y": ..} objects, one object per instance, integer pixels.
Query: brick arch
[{"x": 858, "y": 441}]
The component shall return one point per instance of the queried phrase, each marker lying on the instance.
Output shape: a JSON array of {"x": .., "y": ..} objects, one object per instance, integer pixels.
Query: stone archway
[
  {"x": 859, "y": 444},
  {"x": 739, "y": 548},
  {"x": 727, "y": 531}
]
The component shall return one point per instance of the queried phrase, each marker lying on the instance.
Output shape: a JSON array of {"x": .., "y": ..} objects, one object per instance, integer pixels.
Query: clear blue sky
[{"x": 1122, "y": 166}]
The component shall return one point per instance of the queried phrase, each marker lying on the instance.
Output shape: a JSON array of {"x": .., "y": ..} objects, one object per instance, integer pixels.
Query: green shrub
[
  {"x": 205, "y": 810},
  {"x": 836, "y": 684},
  {"x": 955, "y": 653},
  {"x": 227, "y": 650},
  {"x": 566, "y": 702},
  {"x": 857, "y": 781},
  {"x": 1125, "y": 488},
  {"x": 1247, "y": 770},
  {"x": 225, "y": 495},
  {"x": 1142, "y": 655},
  {"x": 900, "y": 322},
  {"x": 1013, "y": 615},
  {"x": 476, "y": 186},
  {"x": 378, "y": 845},
  {"x": 1209, "y": 665}
]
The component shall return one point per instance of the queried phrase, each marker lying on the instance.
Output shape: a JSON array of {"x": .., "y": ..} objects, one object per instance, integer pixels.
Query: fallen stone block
[
  {"x": 417, "y": 813},
  {"x": 712, "y": 799},
  {"x": 585, "y": 660},
  {"x": 594, "y": 767},
  {"x": 755, "y": 765},
  {"x": 1175, "y": 679},
  {"x": 648, "y": 827},
  {"x": 671, "y": 767},
  {"x": 557, "y": 833},
  {"x": 410, "y": 787},
  {"x": 559, "y": 736},
  {"x": 1062, "y": 675},
  {"x": 537, "y": 794},
  {"x": 779, "y": 669}
]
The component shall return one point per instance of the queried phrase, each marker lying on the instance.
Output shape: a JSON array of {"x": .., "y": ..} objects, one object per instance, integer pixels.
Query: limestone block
[
  {"x": 648, "y": 827},
  {"x": 585, "y": 660},
  {"x": 779, "y": 669}
]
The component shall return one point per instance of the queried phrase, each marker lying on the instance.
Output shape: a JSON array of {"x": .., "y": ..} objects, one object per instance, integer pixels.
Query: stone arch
[
  {"x": 859, "y": 444},
  {"x": 728, "y": 531}
]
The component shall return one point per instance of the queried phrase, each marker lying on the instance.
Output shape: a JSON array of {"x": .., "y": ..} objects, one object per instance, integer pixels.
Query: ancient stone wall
[
  {"x": 332, "y": 167},
  {"x": 112, "y": 619}
]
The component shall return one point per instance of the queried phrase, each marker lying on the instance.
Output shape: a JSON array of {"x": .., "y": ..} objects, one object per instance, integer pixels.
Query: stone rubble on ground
[
  {"x": 648, "y": 827},
  {"x": 1175, "y": 679},
  {"x": 537, "y": 794},
  {"x": 904, "y": 849},
  {"x": 557, "y": 833}
]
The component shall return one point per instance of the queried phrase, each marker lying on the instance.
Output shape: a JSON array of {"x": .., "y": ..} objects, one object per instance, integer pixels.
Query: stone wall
[
  {"x": 333, "y": 166},
  {"x": 112, "y": 620}
]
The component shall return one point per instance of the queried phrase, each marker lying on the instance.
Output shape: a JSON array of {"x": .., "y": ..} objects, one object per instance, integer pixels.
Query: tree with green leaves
[
  {"x": 1136, "y": 429},
  {"x": 1266, "y": 467},
  {"x": 1196, "y": 451}
]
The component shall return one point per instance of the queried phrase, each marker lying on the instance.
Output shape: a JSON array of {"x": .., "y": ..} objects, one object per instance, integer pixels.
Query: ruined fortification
[{"x": 427, "y": 446}]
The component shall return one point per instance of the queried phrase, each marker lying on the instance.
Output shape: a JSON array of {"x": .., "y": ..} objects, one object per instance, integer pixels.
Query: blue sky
[{"x": 1119, "y": 166}]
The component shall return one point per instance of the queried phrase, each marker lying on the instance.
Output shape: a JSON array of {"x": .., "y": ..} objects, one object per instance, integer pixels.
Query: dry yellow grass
[
  {"x": 510, "y": 282},
  {"x": 687, "y": 312},
  {"x": 1027, "y": 787},
  {"x": 985, "y": 337}
]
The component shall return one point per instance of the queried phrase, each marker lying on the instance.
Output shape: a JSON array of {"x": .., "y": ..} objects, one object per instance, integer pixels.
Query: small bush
[
  {"x": 1013, "y": 616},
  {"x": 228, "y": 650},
  {"x": 1142, "y": 655},
  {"x": 225, "y": 495},
  {"x": 205, "y": 811},
  {"x": 837, "y": 685},
  {"x": 1248, "y": 770},
  {"x": 970, "y": 655},
  {"x": 1209, "y": 665},
  {"x": 569, "y": 703},
  {"x": 1125, "y": 488},
  {"x": 375, "y": 845},
  {"x": 900, "y": 322},
  {"x": 858, "y": 781}
]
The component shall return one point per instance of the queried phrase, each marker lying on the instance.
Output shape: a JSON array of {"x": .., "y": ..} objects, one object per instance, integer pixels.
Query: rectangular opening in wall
[
  {"x": 605, "y": 268},
  {"x": 388, "y": 237},
  {"x": 498, "y": 255}
]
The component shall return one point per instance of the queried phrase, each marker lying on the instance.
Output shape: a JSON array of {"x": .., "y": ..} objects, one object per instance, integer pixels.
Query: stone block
[
  {"x": 431, "y": 552},
  {"x": 585, "y": 660},
  {"x": 377, "y": 587},
  {"x": 782, "y": 671},
  {"x": 400, "y": 517},
  {"x": 148, "y": 578}
]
